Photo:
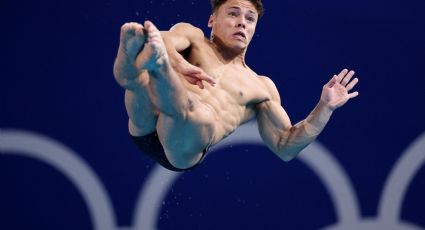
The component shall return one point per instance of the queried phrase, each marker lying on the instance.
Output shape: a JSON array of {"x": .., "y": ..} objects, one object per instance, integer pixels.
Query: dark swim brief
[{"x": 151, "y": 146}]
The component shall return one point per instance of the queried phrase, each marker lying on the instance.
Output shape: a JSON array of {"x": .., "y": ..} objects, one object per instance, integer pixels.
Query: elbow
[
  {"x": 287, "y": 158},
  {"x": 288, "y": 151},
  {"x": 289, "y": 145},
  {"x": 287, "y": 155},
  {"x": 284, "y": 148}
]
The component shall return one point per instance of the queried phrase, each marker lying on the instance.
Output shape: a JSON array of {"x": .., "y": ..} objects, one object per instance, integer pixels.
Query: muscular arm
[
  {"x": 288, "y": 140},
  {"x": 283, "y": 138},
  {"x": 179, "y": 38}
]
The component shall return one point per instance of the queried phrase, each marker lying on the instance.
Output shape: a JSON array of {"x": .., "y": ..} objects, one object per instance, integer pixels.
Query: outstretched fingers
[
  {"x": 332, "y": 82},
  {"x": 353, "y": 94},
  {"x": 347, "y": 78},
  {"x": 351, "y": 85},
  {"x": 341, "y": 75},
  {"x": 344, "y": 78}
]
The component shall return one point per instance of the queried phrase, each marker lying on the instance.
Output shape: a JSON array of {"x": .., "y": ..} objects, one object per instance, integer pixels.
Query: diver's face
[{"x": 234, "y": 23}]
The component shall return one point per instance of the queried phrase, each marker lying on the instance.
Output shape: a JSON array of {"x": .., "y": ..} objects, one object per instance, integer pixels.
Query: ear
[{"x": 211, "y": 20}]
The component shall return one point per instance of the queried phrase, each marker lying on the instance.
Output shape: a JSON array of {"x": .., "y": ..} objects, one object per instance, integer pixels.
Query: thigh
[{"x": 185, "y": 141}]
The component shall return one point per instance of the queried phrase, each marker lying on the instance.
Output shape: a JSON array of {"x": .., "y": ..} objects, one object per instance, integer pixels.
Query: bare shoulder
[
  {"x": 270, "y": 87},
  {"x": 187, "y": 30}
]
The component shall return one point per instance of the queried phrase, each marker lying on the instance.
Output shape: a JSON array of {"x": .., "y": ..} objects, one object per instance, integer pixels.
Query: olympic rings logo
[{"x": 159, "y": 181}]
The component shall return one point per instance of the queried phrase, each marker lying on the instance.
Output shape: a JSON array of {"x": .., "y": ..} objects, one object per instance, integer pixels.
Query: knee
[{"x": 184, "y": 161}]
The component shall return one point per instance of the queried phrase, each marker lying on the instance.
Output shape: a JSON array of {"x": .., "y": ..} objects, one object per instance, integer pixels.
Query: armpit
[{"x": 262, "y": 105}]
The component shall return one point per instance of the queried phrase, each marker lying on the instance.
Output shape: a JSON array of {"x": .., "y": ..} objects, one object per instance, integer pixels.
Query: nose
[{"x": 241, "y": 22}]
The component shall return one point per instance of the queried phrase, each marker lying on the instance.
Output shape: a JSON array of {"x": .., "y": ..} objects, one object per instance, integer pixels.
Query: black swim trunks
[{"x": 151, "y": 146}]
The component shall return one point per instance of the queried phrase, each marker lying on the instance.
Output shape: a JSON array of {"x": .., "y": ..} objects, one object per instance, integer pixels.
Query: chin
[{"x": 239, "y": 46}]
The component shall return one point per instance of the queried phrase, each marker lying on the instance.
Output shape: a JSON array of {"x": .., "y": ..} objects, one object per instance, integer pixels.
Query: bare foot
[
  {"x": 154, "y": 54},
  {"x": 132, "y": 39}
]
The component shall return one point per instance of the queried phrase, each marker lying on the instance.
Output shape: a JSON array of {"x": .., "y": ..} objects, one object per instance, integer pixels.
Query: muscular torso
[{"x": 233, "y": 100}]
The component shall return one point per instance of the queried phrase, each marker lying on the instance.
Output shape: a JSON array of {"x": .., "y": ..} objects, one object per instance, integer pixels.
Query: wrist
[
  {"x": 317, "y": 119},
  {"x": 321, "y": 114},
  {"x": 325, "y": 106}
]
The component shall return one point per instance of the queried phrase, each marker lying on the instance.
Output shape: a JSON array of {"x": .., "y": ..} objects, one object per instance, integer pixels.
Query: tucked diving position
[{"x": 185, "y": 92}]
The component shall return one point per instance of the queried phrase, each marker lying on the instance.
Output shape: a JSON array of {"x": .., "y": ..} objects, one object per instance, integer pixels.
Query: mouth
[{"x": 239, "y": 35}]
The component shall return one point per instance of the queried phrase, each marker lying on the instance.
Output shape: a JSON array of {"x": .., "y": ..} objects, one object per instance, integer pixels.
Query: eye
[
  {"x": 233, "y": 14},
  {"x": 251, "y": 19}
]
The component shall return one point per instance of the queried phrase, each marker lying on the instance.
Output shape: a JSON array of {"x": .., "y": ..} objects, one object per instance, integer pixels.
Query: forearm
[
  {"x": 173, "y": 51},
  {"x": 303, "y": 133}
]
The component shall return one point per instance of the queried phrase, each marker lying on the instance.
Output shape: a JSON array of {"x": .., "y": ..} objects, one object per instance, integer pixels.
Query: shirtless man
[{"x": 177, "y": 110}]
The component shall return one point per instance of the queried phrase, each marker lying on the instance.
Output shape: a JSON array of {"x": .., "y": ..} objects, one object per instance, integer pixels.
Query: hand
[
  {"x": 336, "y": 92},
  {"x": 193, "y": 74}
]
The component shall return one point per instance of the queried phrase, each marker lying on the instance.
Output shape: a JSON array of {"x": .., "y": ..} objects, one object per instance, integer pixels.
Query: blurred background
[{"x": 63, "y": 125}]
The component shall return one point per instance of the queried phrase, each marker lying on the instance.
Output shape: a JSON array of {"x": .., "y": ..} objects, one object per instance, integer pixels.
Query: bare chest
[
  {"x": 233, "y": 99},
  {"x": 236, "y": 84},
  {"x": 244, "y": 87}
]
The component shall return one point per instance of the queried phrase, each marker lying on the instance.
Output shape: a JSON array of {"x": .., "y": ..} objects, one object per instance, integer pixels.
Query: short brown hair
[{"x": 215, "y": 4}]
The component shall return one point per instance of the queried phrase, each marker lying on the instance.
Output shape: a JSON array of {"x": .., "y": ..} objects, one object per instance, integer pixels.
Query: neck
[{"x": 228, "y": 55}]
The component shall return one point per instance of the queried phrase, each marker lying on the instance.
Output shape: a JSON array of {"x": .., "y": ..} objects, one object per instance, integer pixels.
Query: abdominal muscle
[
  {"x": 230, "y": 103},
  {"x": 225, "y": 106}
]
